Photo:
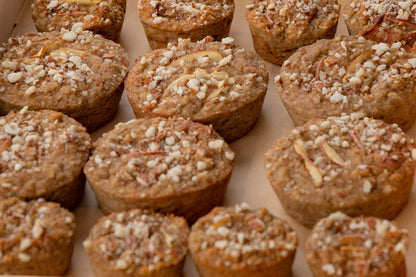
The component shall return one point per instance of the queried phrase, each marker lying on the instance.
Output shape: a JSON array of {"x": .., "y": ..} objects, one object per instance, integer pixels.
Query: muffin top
[
  {"x": 158, "y": 157},
  {"x": 237, "y": 237},
  {"x": 138, "y": 241},
  {"x": 342, "y": 161},
  {"x": 361, "y": 246},
  {"x": 27, "y": 228},
  {"x": 196, "y": 80},
  {"x": 52, "y": 15},
  {"x": 183, "y": 15},
  {"x": 58, "y": 70},
  {"x": 348, "y": 74},
  {"x": 293, "y": 19},
  {"x": 388, "y": 20},
  {"x": 40, "y": 151}
]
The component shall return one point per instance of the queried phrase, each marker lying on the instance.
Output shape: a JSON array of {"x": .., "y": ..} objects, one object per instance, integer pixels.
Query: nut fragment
[
  {"x": 312, "y": 169},
  {"x": 332, "y": 154},
  {"x": 90, "y": 2},
  {"x": 189, "y": 59}
]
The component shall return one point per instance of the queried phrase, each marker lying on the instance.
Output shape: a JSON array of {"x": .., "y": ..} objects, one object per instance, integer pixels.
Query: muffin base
[
  {"x": 231, "y": 125},
  {"x": 92, "y": 117},
  {"x": 159, "y": 38},
  {"x": 308, "y": 213},
  {"x": 282, "y": 269},
  {"x": 69, "y": 195},
  {"x": 191, "y": 205},
  {"x": 101, "y": 268},
  {"x": 275, "y": 53}
]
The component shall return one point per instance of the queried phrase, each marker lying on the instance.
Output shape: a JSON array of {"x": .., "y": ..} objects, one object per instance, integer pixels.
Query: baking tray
[{"x": 248, "y": 182}]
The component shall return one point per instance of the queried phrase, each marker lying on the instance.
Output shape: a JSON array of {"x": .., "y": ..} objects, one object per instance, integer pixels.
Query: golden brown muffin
[
  {"x": 239, "y": 242},
  {"x": 359, "y": 166},
  {"x": 383, "y": 21},
  {"x": 36, "y": 238},
  {"x": 356, "y": 247},
  {"x": 166, "y": 21},
  {"x": 213, "y": 83},
  {"x": 104, "y": 17},
  {"x": 280, "y": 27},
  {"x": 350, "y": 74},
  {"x": 138, "y": 243},
  {"x": 169, "y": 165},
  {"x": 42, "y": 156},
  {"x": 75, "y": 72}
]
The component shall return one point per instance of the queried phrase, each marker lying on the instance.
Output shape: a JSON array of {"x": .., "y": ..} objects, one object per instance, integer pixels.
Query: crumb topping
[
  {"x": 83, "y": 14},
  {"x": 69, "y": 63},
  {"x": 394, "y": 10},
  {"x": 348, "y": 155},
  {"x": 30, "y": 141},
  {"x": 286, "y": 14},
  {"x": 184, "y": 14},
  {"x": 349, "y": 72},
  {"x": 360, "y": 246},
  {"x": 27, "y": 227},
  {"x": 194, "y": 80},
  {"x": 150, "y": 157},
  {"x": 237, "y": 236},
  {"x": 139, "y": 241}
]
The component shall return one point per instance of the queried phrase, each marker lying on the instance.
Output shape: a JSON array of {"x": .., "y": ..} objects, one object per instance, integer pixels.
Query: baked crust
[
  {"x": 279, "y": 28},
  {"x": 238, "y": 242},
  {"x": 363, "y": 246},
  {"x": 74, "y": 72},
  {"x": 166, "y": 21},
  {"x": 36, "y": 238},
  {"x": 209, "y": 82},
  {"x": 350, "y": 74},
  {"x": 138, "y": 243},
  {"x": 104, "y": 17},
  {"x": 357, "y": 166},
  {"x": 168, "y": 165},
  {"x": 42, "y": 156},
  {"x": 382, "y": 21}
]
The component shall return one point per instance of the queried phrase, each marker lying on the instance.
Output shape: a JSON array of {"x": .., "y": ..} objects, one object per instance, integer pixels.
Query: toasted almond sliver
[
  {"x": 195, "y": 56},
  {"x": 299, "y": 148},
  {"x": 312, "y": 169},
  {"x": 358, "y": 60},
  {"x": 332, "y": 154},
  {"x": 314, "y": 172},
  {"x": 76, "y": 52}
]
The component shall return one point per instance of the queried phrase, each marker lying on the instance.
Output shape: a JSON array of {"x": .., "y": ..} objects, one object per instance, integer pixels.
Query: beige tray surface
[{"x": 248, "y": 182}]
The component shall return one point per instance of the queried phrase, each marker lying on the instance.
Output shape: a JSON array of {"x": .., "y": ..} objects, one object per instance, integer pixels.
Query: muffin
[
  {"x": 360, "y": 246},
  {"x": 36, "y": 238},
  {"x": 104, "y": 17},
  {"x": 74, "y": 72},
  {"x": 168, "y": 165},
  {"x": 383, "y": 21},
  {"x": 213, "y": 83},
  {"x": 165, "y": 21},
  {"x": 138, "y": 243},
  {"x": 347, "y": 75},
  {"x": 279, "y": 28},
  {"x": 238, "y": 242},
  {"x": 357, "y": 166},
  {"x": 42, "y": 156}
]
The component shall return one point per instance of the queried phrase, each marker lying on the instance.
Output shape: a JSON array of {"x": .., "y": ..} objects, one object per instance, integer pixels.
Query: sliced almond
[
  {"x": 188, "y": 59},
  {"x": 181, "y": 79},
  {"x": 215, "y": 93},
  {"x": 314, "y": 172},
  {"x": 76, "y": 52},
  {"x": 358, "y": 60},
  {"x": 312, "y": 169},
  {"x": 332, "y": 154}
]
